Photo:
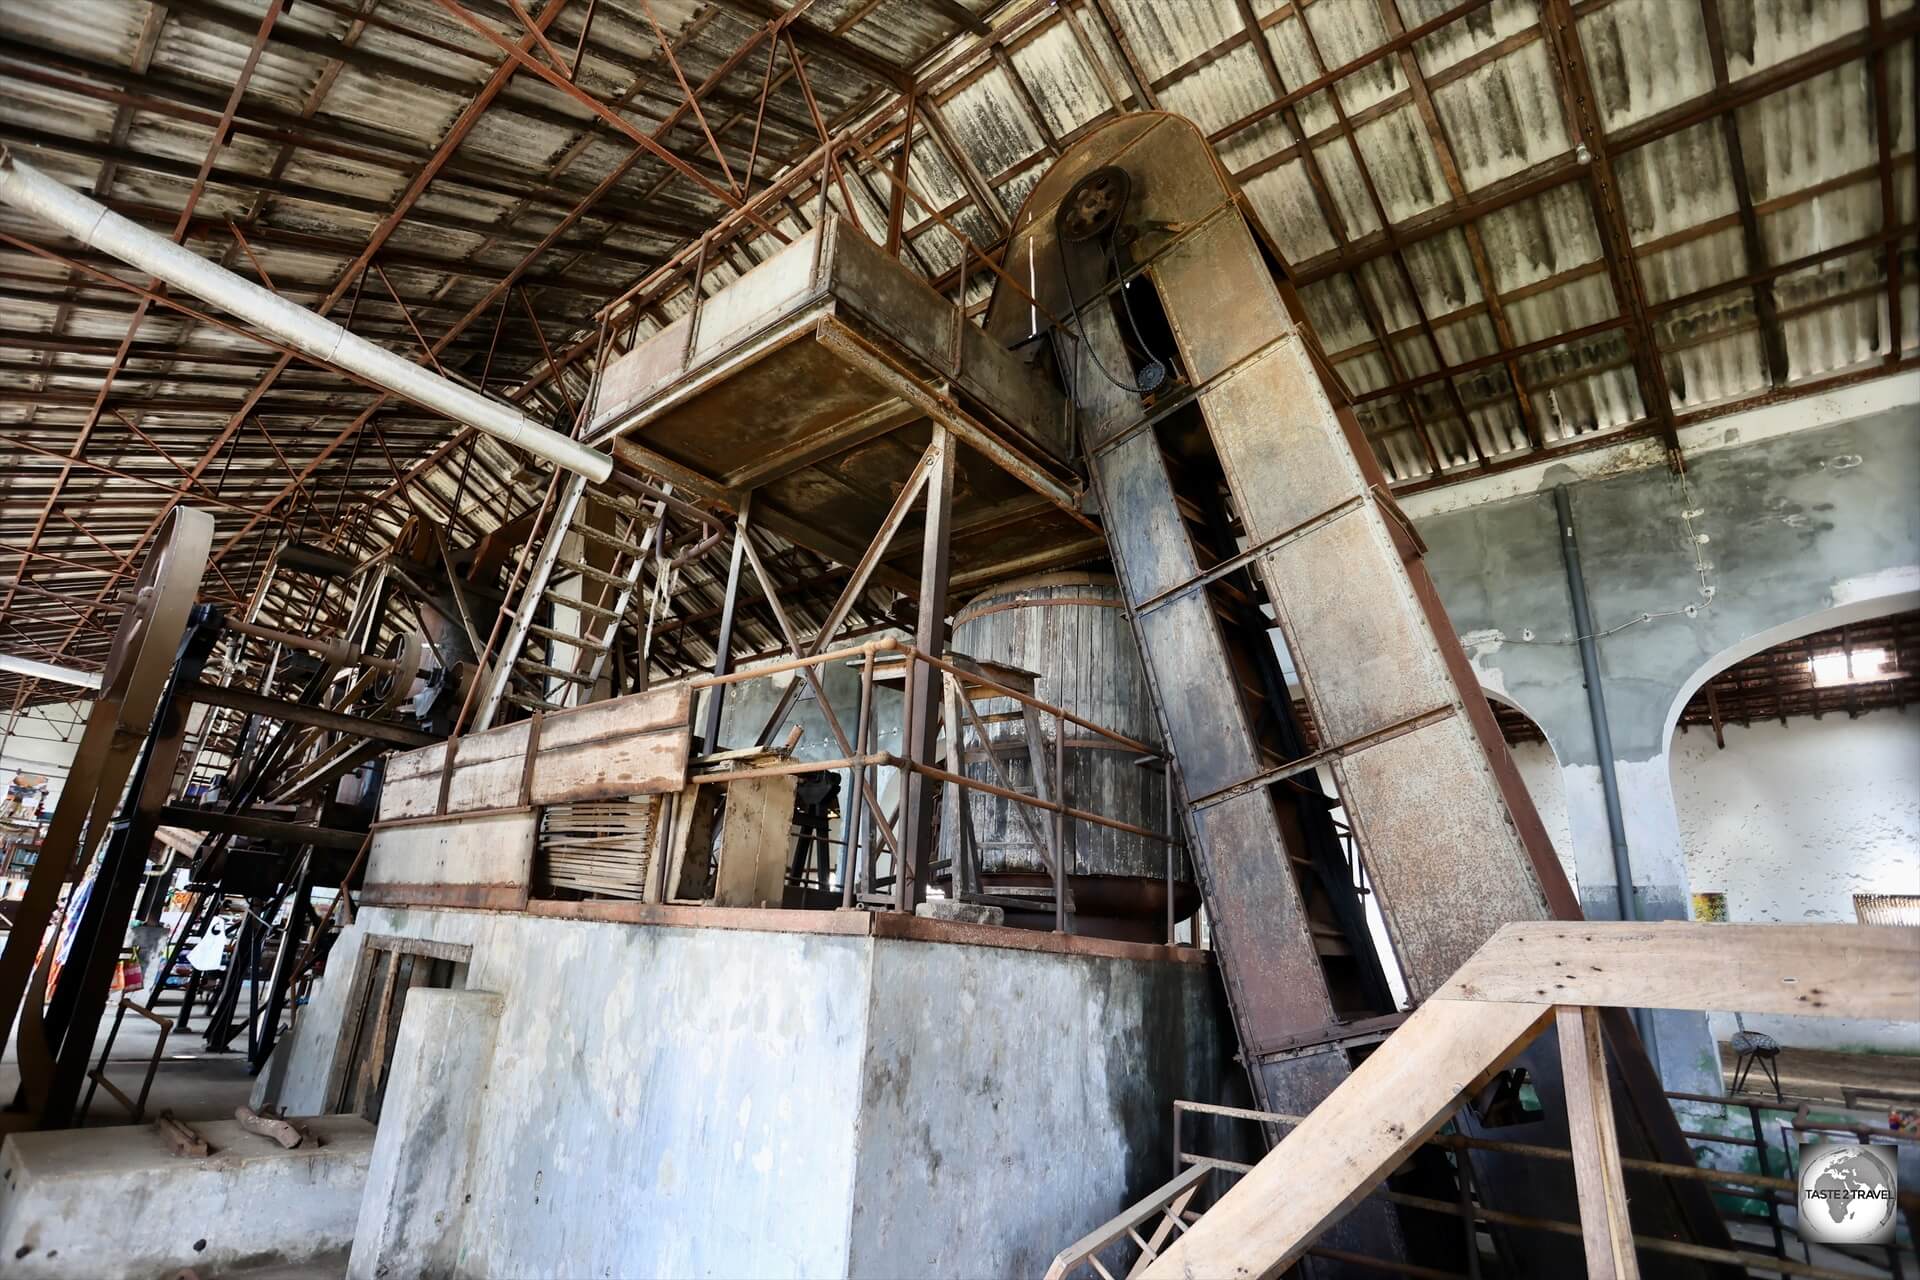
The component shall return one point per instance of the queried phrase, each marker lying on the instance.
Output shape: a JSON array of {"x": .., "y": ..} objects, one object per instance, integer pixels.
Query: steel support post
[
  {"x": 923, "y": 680},
  {"x": 72, "y": 1018},
  {"x": 723, "y": 642}
]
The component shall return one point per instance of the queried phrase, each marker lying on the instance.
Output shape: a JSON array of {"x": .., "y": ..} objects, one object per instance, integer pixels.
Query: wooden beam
[
  {"x": 213, "y": 695},
  {"x": 1604, "y": 1226},
  {"x": 1393, "y": 1102},
  {"x": 272, "y": 829},
  {"x": 1822, "y": 970}
]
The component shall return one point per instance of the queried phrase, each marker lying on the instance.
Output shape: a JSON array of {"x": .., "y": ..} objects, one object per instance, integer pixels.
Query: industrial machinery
[
  {"x": 1144, "y": 422},
  {"x": 191, "y": 763},
  {"x": 1240, "y": 501}
]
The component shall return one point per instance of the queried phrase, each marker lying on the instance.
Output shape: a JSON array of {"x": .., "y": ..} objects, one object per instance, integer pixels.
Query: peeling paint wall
[
  {"x": 1796, "y": 530},
  {"x": 1789, "y": 823},
  {"x": 1541, "y": 772}
]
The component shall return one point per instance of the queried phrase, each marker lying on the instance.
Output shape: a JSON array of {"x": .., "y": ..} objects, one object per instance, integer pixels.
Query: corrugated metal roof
[{"x": 1495, "y": 216}]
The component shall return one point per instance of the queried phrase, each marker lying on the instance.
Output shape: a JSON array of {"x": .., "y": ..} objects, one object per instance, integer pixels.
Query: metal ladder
[{"x": 533, "y": 674}]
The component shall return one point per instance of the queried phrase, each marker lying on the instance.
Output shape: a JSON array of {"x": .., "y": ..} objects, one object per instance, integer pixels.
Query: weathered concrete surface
[
  {"x": 111, "y": 1203},
  {"x": 1013, "y": 1101},
  {"x": 662, "y": 1101},
  {"x": 698, "y": 1102},
  {"x": 1802, "y": 530},
  {"x": 410, "y": 1216}
]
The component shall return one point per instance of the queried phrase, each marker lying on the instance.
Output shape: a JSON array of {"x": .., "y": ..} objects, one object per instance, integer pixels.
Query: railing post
[
  {"x": 1773, "y": 1205},
  {"x": 856, "y": 808},
  {"x": 1060, "y": 824},
  {"x": 1166, "y": 774},
  {"x": 1604, "y": 1225}
]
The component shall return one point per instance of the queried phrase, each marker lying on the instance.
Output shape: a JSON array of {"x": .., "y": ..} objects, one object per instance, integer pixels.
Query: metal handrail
[{"x": 859, "y": 874}]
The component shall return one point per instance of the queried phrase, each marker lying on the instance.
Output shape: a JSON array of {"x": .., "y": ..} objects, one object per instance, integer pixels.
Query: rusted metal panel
[
  {"x": 1149, "y": 546},
  {"x": 1206, "y": 725},
  {"x": 814, "y": 379},
  {"x": 1275, "y": 442},
  {"x": 1259, "y": 927},
  {"x": 1439, "y": 845},
  {"x": 772, "y": 289},
  {"x": 1219, "y": 267},
  {"x": 878, "y": 289},
  {"x": 1364, "y": 658},
  {"x": 642, "y": 371}
]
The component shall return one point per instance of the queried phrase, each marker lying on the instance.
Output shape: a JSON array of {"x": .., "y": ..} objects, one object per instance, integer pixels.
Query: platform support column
[
  {"x": 923, "y": 682},
  {"x": 723, "y": 642}
]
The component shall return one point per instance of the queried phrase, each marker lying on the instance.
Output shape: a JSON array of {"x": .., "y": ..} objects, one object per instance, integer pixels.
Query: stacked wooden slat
[{"x": 599, "y": 847}]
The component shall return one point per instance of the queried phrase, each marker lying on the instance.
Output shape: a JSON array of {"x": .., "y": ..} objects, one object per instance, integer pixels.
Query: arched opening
[
  {"x": 1539, "y": 766},
  {"x": 1795, "y": 769}
]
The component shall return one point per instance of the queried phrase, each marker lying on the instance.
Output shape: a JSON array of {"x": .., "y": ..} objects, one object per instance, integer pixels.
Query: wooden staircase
[{"x": 1526, "y": 978}]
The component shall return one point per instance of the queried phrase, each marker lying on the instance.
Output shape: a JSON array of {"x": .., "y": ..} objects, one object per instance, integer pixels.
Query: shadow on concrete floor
[
  {"x": 328, "y": 1266},
  {"x": 191, "y": 1082}
]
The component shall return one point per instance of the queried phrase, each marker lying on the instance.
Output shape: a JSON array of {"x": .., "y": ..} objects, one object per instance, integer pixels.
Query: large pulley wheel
[
  {"x": 1095, "y": 204},
  {"x": 170, "y": 577}
]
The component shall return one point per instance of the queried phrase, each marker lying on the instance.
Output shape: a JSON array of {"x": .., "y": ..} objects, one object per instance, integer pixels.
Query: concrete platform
[
  {"x": 112, "y": 1203},
  {"x": 770, "y": 1093}
]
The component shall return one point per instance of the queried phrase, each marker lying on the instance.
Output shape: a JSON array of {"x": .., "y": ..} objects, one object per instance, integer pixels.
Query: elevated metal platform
[{"x": 814, "y": 383}]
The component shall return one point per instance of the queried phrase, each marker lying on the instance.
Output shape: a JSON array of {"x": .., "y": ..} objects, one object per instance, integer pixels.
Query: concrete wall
[
  {"x": 699, "y": 1102},
  {"x": 116, "y": 1203},
  {"x": 1789, "y": 822},
  {"x": 1777, "y": 528},
  {"x": 1014, "y": 1101},
  {"x": 662, "y": 1101}
]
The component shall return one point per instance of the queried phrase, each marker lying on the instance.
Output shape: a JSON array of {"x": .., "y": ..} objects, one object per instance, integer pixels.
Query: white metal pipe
[
  {"x": 95, "y": 225},
  {"x": 47, "y": 671}
]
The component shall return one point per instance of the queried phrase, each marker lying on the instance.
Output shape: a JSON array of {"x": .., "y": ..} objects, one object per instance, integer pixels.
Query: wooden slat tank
[{"x": 1071, "y": 631}]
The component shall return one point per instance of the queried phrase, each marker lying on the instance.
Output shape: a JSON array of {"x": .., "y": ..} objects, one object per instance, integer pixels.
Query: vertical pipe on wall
[{"x": 1602, "y": 733}]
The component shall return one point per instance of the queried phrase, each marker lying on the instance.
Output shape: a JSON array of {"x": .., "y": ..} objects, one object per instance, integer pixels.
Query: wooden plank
[
  {"x": 756, "y": 835},
  {"x": 495, "y": 850},
  {"x": 634, "y": 745},
  {"x": 1604, "y": 1226},
  {"x": 656, "y": 708},
  {"x": 1822, "y": 970},
  {"x": 1392, "y": 1102},
  {"x": 640, "y": 764},
  {"x": 469, "y": 897}
]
